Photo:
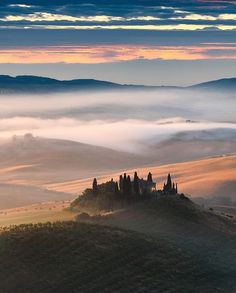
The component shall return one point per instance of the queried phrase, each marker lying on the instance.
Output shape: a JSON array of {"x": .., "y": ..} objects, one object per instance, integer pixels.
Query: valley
[
  {"x": 117, "y": 146},
  {"x": 202, "y": 180}
]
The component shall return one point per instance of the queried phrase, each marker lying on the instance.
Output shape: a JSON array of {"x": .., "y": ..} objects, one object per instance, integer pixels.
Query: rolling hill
[
  {"x": 35, "y": 169},
  {"x": 15, "y": 195},
  {"x": 169, "y": 217},
  {"x": 28, "y": 163},
  {"x": 163, "y": 247},
  {"x": 36, "y": 160},
  {"x": 31, "y": 84},
  {"x": 224, "y": 84},
  {"x": 202, "y": 178},
  {"x": 198, "y": 144}
]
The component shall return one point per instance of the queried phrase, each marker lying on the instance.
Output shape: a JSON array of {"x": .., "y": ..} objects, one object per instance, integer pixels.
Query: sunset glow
[
  {"x": 87, "y": 38},
  {"x": 114, "y": 53},
  {"x": 117, "y": 146}
]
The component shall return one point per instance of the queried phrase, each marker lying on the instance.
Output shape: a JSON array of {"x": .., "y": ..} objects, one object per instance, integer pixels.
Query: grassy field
[
  {"x": 203, "y": 178},
  {"x": 214, "y": 176},
  {"x": 82, "y": 257},
  {"x": 207, "y": 177},
  {"x": 37, "y": 213},
  {"x": 168, "y": 245}
]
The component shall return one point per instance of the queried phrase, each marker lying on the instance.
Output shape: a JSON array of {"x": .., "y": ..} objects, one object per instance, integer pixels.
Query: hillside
[
  {"x": 169, "y": 217},
  {"x": 37, "y": 160},
  {"x": 15, "y": 195},
  {"x": 27, "y": 83},
  {"x": 88, "y": 257},
  {"x": 29, "y": 165},
  {"x": 224, "y": 84},
  {"x": 203, "y": 178},
  {"x": 198, "y": 144},
  {"x": 32, "y": 84}
]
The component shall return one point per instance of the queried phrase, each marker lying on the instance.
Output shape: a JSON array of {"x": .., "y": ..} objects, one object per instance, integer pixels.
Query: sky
[{"x": 141, "y": 42}]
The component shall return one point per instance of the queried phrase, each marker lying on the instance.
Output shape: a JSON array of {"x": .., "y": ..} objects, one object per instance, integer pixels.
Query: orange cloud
[{"x": 116, "y": 53}]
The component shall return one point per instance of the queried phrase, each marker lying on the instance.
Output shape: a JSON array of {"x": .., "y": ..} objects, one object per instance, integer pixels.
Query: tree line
[{"x": 129, "y": 191}]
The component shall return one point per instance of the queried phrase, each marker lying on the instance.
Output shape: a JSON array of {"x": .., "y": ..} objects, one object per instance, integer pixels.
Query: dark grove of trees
[
  {"x": 169, "y": 187},
  {"x": 112, "y": 195}
]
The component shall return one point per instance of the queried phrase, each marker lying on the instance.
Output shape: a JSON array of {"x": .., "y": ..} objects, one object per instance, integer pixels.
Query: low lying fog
[{"x": 116, "y": 119}]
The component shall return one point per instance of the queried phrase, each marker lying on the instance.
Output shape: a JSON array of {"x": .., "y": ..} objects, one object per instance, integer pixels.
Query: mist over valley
[{"x": 48, "y": 139}]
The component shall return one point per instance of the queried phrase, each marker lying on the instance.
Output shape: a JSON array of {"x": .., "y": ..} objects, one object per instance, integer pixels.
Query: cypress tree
[
  {"x": 173, "y": 189},
  {"x": 129, "y": 186},
  {"x": 95, "y": 186},
  {"x": 149, "y": 177},
  {"x": 164, "y": 188},
  {"x": 121, "y": 182},
  {"x": 169, "y": 183},
  {"x": 136, "y": 185},
  {"x": 125, "y": 185},
  {"x": 116, "y": 189}
]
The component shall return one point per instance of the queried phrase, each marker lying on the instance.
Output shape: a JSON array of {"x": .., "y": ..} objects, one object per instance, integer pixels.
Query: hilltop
[
  {"x": 214, "y": 176},
  {"x": 225, "y": 84},
  {"x": 136, "y": 203}
]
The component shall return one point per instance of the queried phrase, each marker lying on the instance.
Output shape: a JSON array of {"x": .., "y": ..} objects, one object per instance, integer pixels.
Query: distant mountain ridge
[
  {"x": 31, "y": 83},
  {"x": 220, "y": 84}
]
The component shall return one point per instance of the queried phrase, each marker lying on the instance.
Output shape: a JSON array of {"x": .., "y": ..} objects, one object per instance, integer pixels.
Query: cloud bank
[
  {"x": 91, "y": 14},
  {"x": 96, "y": 118}
]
